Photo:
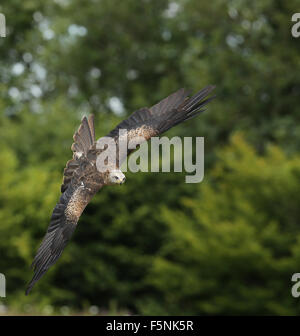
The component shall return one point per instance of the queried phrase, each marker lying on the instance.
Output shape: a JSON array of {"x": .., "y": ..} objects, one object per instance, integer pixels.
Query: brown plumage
[{"x": 82, "y": 180}]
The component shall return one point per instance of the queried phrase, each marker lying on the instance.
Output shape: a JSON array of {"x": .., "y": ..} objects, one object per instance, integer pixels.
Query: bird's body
[{"x": 82, "y": 178}]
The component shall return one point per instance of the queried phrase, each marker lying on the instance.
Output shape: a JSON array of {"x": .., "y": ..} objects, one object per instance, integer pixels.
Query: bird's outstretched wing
[
  {"x": 148, "y": 122},
  {"x": 76, "y": 194}
]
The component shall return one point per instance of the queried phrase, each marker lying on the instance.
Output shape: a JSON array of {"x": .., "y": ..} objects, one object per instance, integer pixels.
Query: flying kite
[{"x": 82, "y": 180}]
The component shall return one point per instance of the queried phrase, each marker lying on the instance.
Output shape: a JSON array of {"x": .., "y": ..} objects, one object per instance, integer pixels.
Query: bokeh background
[{"x": 156, "y": 245}]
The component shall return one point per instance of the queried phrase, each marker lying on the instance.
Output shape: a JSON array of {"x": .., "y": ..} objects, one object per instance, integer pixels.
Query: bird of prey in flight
[{"x": 82, "y": 180}]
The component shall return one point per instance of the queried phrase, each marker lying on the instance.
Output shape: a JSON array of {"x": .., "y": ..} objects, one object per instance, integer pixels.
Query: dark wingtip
[
  {"x": 211, "y": 86},
  {"x": 32, "y": 282},
  {"x": 28, "y": 289},
  {"x": 206, "y": 101},
  {"x": 208, "y": 89}
]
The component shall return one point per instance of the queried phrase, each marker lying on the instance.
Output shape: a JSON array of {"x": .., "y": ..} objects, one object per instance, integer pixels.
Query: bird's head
[{"x": 116, "y": 177}]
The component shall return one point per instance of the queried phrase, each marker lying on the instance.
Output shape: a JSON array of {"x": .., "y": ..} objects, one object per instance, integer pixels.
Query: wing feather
[
  {"x": 63, "y": 222},
  {"x": 84, "y": 140},
  {"x": 171, "y": 111}
]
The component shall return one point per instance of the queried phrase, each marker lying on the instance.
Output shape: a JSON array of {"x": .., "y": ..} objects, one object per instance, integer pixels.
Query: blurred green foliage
[
  {"x": 155, "y": 245},
  {"x": 233, "y": 249}
]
